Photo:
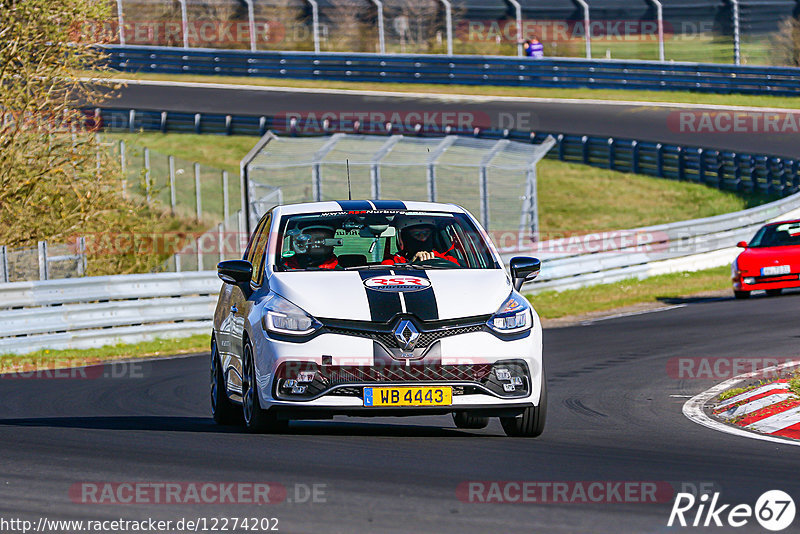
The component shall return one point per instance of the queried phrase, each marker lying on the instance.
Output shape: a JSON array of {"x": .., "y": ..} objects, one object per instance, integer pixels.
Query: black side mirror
[
  {"x": 236, "y": 272},
  {"x": 524, "y": 270}
]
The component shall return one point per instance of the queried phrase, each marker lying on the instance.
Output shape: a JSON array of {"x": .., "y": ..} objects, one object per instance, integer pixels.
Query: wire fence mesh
[
  {"x": 702, "y": 30},
  {"x": 493, "y": 179}
]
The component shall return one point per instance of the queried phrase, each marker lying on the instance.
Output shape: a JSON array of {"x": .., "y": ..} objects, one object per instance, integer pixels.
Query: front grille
[
  {"x": 776, "y": 278},
  {"x": 337, "y": 376},
  {"x": 387, "y": 339}
]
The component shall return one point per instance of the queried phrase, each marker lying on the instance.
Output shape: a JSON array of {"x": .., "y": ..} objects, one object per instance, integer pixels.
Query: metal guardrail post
[
  {"x": 173, "y": 197},
  {"x": 163, "y": 122},
  {"x": 561, "y": 148},
  {"x": 121, "y": 22},
  {"x": 225, "y": 198},
  {"x": 660, "y": 160},
  {"x": 448, "y": 14},
  {"x": 43, "y": 267},
  {"x": 251, "y": 19},
  {"x": 184, "y": 24},
  {"x": 681, "y": 164},
  {"x": 315, "y": 24},
  {"x": 585, "y": 149},
  {"x": 198, "y": 195},
  {"x": 199, "y": 245},
  {"x": 123, "y": 168},
  {"x": 736, "y": 33},
  {"x": 518, "y": 13},
  {"x": 220, "y": 241},
  {"x": 612, "y": 154},
  {"x": 132, "y": 121},
  {"x": 197, "y": 118},
  {"x": 660, "y": 19},
  {"x": 587, "y": 22},
  {"x": 635, "y": 157},
  {"x": 4, "y": 264},
  {"x": 147, "y": 173},
  {"x": 381, "y": 30},
  {"x": 82, "y": 263},
  {"x": 432, "y": 158}
]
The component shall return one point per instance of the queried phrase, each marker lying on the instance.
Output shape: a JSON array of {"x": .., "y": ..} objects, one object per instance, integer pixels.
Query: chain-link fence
[
  {"x": 751, "y": 31},
  {"x": 494, "y": 179}
]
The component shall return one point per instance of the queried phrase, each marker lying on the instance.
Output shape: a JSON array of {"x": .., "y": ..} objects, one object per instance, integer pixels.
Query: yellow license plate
[{"x": 408, "y": 396}]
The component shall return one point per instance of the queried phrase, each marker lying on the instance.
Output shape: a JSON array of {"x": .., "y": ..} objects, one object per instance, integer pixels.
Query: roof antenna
[{"x": 349, "y": 191}]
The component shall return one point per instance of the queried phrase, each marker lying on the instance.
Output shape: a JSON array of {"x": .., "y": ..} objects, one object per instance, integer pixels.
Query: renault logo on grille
[{"x": 407, "y": 335}]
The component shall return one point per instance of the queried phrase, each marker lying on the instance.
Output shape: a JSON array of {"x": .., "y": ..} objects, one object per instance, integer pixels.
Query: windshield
[
  {"x": 380, "y": 239},
  {"x": 777, "y": 235}
]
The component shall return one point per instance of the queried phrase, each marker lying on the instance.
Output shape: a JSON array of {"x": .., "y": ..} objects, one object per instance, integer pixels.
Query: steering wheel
[{"x": 438, "y": 262}]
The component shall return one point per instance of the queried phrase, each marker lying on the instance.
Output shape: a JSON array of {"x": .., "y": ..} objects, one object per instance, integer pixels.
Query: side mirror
[
  {"x": 742, "y": 244},
  {"x": 236, "y": 272},
  {"x": 524, "y": 270}
]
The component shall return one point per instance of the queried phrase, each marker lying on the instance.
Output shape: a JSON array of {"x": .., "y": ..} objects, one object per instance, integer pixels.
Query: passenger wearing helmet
[
  {"x": 313, "y": 249},
  {"x": 416, "y": 244}
]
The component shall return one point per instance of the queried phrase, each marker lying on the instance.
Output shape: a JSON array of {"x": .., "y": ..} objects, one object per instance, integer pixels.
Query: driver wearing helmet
[
  {"x": 313, "y": 249},
  {"x": 415, "y": 243}
]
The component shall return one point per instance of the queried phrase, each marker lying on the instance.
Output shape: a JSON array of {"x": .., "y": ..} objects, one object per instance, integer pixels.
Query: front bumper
[
  {"x": 746, "y": 282},
  {"x": 343, "y": 365}
]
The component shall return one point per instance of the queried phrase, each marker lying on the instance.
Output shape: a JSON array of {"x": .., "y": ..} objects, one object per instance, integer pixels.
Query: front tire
[
  {"x": 256, "y": 419},
  {"x": 469, "y": 422},
  {"x": 741, "y": 295},
  {"x": 223, "y": 410},
  {"x": 531, "y": 423}
]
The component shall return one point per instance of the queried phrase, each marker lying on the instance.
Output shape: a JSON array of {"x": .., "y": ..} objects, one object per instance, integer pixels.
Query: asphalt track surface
[
  {"x": 612, "y": 417},
  {"x": 646, "y": 122}
]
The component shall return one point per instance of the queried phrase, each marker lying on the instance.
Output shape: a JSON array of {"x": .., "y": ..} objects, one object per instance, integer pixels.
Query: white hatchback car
[{"x": 368, "y": 308}]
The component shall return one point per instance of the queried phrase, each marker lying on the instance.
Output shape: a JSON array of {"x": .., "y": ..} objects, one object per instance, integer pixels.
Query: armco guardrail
[
  {"x": 728, "y": 170},
  {"x": 462, "y": 70},
  {"x": 97, "y": 311},
  {"x": 613, "y": 256},
  {"x": 91, "y": 312}
]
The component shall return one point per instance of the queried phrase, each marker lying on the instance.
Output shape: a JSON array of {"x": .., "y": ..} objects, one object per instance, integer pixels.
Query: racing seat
[{"x": 352, "y": 260}]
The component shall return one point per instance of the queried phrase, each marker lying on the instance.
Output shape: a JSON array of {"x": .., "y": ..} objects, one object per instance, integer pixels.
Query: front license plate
[
  {"x": 408, "y": 396},
  {"x": 772, "y": 271}
]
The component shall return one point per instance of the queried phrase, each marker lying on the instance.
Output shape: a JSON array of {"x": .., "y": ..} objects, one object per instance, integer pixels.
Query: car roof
[{"x": 365, "y": 205}]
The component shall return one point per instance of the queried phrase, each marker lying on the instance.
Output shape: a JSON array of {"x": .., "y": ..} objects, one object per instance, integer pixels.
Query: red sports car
[{"x": 771, "y": 261}]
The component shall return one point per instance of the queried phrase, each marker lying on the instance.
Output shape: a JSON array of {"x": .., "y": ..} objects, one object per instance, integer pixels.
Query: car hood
[
  {"x": 756, "y": 258},
  {"x": 445, "y": 294}
]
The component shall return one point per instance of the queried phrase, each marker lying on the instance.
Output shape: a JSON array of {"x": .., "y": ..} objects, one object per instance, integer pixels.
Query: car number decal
[{"x": 397, "y": 283}]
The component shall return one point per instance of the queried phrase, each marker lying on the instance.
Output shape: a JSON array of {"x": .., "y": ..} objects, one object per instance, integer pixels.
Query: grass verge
[
  {"x": 664, "y": 288},
  {"x": 62, "y": 359},
  {"x": 486, "y": 90}
]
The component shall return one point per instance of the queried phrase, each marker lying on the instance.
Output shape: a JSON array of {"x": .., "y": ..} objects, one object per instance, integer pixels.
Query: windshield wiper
[{"x": 368, "y": 267}]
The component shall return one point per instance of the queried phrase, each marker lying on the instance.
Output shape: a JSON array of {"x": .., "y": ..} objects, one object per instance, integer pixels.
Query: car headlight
[
  {"x": 282, "y": 317},
  {"x": 513, "y": 316}
]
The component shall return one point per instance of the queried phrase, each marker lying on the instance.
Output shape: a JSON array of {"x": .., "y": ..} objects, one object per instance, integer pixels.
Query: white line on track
[
  {"x": 441, "y": 96},
  {"x": 693, "y": 409},
  {"x": 632, "y": 314}
]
